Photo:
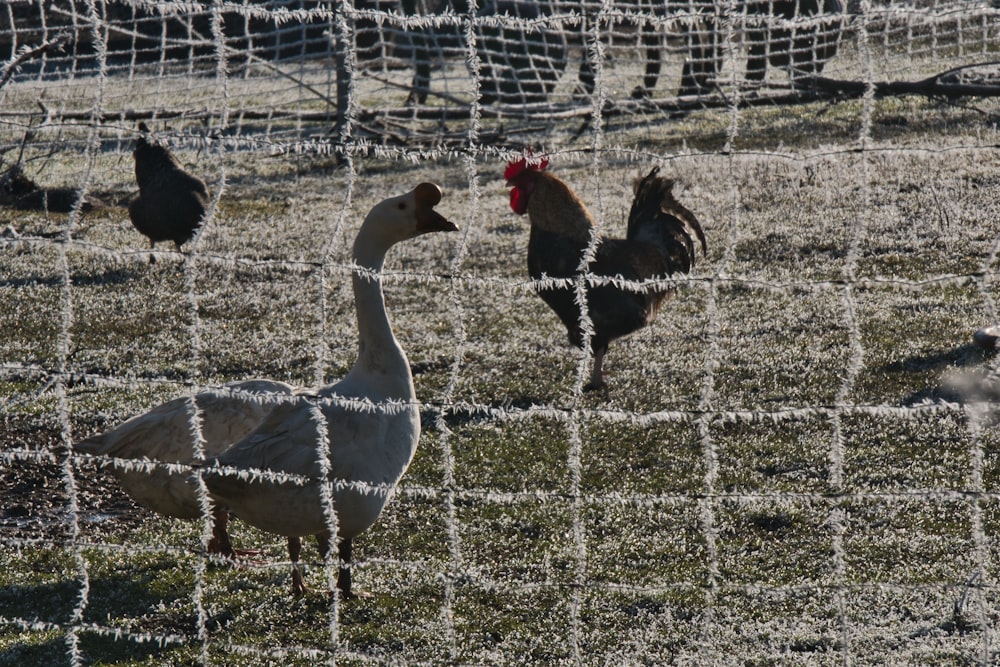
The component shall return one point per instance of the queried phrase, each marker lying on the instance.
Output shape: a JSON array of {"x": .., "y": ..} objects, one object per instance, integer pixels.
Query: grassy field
[{"x": 797, "y": 464}]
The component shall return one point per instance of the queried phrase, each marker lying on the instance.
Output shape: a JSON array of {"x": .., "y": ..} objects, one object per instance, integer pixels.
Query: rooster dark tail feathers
[{"x": 657, "y": 218}]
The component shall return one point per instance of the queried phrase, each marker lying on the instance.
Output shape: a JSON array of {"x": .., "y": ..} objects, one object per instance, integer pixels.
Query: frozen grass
[{"x": 778, "y": 474}]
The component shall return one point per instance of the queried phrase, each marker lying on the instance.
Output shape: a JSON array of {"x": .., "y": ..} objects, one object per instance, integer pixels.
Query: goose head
[{"x": 400, "y": 218}]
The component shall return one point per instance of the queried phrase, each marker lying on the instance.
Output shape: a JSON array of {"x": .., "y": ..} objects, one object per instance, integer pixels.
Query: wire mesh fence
[{"x": 794, "y": 464}]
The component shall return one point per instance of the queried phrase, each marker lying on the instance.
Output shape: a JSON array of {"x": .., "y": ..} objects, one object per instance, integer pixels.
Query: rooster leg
[{"x": 597, "y": 376}]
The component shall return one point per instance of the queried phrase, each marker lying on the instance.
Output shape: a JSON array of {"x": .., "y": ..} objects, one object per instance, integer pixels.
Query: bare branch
[
  {"x": 946, "y": 84},
  {"x": 28, "y": 53}
]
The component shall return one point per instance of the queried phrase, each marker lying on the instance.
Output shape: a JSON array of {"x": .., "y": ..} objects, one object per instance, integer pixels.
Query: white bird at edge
[
  {"x": 167, "y": 435},
  {"x": 351, "y": 441}
]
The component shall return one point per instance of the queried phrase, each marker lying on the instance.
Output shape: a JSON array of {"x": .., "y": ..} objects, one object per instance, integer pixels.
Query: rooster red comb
[{"x": 515, "y": 167}]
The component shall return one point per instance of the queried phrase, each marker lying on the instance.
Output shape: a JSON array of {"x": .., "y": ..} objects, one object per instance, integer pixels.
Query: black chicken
[
  {"x": 171, "y": 203},
  {"x": 662, "y": 239}
]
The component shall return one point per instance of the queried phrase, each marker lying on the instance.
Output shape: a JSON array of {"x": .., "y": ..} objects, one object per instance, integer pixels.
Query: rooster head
[{"x": 515, "y": 174}]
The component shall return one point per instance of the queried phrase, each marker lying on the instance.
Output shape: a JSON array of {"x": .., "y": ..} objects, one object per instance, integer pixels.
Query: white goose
[
  {"x": 165, "y": 435},
  {"x": 362, "y": 444}
]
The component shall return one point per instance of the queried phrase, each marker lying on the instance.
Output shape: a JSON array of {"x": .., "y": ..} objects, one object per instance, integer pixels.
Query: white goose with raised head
[{"x": 348, "y": 445}]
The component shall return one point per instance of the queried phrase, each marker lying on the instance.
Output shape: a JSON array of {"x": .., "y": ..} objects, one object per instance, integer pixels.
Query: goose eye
[{"x": 401, "y": 206}]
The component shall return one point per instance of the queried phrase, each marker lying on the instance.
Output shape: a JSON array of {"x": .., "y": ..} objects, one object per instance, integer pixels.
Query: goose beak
[{"x": 427, "y": 196}]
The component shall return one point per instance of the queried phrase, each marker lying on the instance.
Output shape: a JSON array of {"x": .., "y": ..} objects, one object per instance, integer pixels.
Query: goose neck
[{"x": 380, "y": 358}]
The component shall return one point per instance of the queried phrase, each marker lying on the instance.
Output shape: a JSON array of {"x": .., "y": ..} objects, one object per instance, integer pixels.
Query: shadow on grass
[
  {"x": 48, "y": 649},
  {"x": 961, "y": 356},
  {"x": 110, "y": 276},
  {"x": 966, "y": 358},
  {"x": 51, "y": 648},
  {"x": 106, "y": 277},
  {"x": 44, "y": 603},
  {"x": 141, "y": 623}
]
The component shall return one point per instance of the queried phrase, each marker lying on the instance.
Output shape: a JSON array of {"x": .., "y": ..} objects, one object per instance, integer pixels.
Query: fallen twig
[{"x": 932, "y": 86}]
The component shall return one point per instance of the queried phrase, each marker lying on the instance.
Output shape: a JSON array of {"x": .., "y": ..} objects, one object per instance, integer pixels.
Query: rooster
[
  {"x": 171, "y": 202},
  {"x": 662, "y": 239}
]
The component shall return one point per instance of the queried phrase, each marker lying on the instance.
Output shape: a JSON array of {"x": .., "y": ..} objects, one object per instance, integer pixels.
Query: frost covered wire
[
  {"x": 857, "y": 356},
  {"x": 707, "y": 411},
  {"x": 595, "y": 53},
  {"x": 327, "y": 488},
  {"x": 709, "y": 455},
  {"x": 975, "y": 418},
  {"x": 456, "y": 564},
  {"x": 73, "y": 510},
  {"x": 506, "y": 286},
  {"x": 191, "y": 273},
  {"x": 195, "y": 423},
  {"x": 95, "y": 25},
  {"x": 221, "y": 63},
  {"x": 195, "y": 419}
]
